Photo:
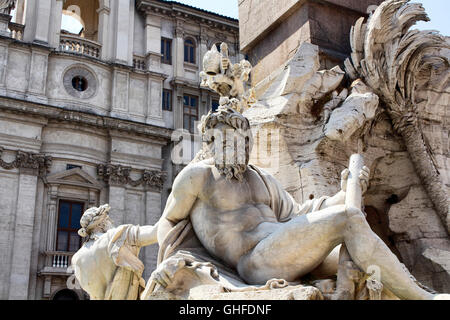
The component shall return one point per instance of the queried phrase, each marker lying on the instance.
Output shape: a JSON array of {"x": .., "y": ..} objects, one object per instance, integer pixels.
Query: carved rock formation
[
  {"x": 402, "y": 66},
  {"x": 394, "y": 114}
]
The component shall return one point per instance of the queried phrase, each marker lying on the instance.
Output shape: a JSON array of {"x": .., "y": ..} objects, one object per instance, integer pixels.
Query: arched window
[
  {"x": 189, "y": 51},
  {"x": 65, "y": 294}
]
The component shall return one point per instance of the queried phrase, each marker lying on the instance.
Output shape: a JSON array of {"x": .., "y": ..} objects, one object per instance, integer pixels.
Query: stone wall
[{"x": 271, "y": 37}]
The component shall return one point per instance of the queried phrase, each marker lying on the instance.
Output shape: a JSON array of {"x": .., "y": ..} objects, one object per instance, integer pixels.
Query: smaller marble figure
[{"x": 107, "y": 265}]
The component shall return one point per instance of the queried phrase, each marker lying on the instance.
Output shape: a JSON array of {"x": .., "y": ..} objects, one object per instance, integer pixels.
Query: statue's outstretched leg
[
  {"x": 369, "y": 252},
  {"x": 301, "y": 244}
]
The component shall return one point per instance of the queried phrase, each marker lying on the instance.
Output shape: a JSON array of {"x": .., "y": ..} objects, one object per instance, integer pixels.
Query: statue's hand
[
  {"x": 364, "y": 176},
  {"x": 225, "y": 63},
  {"x": 166, "y": 271}
]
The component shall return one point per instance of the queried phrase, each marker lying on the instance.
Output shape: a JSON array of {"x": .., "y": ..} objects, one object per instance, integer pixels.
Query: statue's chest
[{"x": 232, "y": 194}]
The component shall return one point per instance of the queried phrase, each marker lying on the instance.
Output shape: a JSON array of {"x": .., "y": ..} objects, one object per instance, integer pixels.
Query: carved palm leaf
[{"x": 390, "y": 59}]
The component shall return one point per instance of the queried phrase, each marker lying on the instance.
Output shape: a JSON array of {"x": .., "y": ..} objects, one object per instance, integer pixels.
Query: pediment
[{"x": 75, "y": 177}]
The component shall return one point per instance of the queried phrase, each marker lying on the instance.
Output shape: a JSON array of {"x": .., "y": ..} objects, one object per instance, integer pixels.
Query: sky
[
  {"x": 227, "y": 8},
  {"x": 438, "y": 11}
]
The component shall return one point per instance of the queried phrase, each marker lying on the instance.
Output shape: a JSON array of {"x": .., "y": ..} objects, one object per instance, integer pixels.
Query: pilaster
[
  {"x": 122, "y": 34},
  {"x": 178, "y": 61},
  {"x": 55, "y": 23},
  {"x": 52, "y": 207},
  {"x": 154, "y": 101},
  {"x": 152, "y": 214},
  {"x": 23, "y": 234},
  {"x": 43, "y": 12},
  {"x": 103, "y": 28},
  {"x": 37, "y": 75}
]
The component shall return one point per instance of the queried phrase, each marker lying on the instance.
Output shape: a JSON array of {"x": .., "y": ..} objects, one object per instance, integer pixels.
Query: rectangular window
[
  {"x": 214, "y": 105},
  {"x": 72, "y": 166},
  {"x": 189, "y": 51},
  {"x": 167, "y": 100},
  {"x": 69, "y": 215},
  {"x": 190, "y": 112},
  {"x": 166, "y": 50}
]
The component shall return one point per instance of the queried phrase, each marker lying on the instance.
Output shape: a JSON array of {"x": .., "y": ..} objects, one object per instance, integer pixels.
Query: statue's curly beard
[{"x": 231, "y": 171}]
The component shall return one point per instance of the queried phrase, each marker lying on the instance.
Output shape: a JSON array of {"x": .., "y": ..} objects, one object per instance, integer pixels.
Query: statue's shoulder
[
  {"x": 261, "y": 172},
  {"x": 196, "y": 170}
]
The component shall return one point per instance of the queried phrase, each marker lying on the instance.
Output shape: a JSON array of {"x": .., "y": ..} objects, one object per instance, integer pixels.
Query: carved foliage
[
  {"x": 28, "y": 160},
  {"x": 118, "y": 174},
  {"x": 390, "y": 59}
]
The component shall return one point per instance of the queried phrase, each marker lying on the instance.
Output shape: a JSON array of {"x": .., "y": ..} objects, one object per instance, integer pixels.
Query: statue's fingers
[
  {"x": 181, "y": 263},
  {"x": 364, "y": 185},
  {"x": 160, "y": 281},
  {"x": 365, "y": 170},
  {"x": 364, "y": 174},
  {"x": 166, "y": 278}
]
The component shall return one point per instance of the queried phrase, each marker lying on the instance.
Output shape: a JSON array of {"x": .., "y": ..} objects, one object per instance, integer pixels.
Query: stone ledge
[{"x": 19, "y": 106}]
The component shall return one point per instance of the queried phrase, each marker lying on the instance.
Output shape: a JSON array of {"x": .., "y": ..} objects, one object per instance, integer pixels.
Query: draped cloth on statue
[
  {"x": 181, "y": 243},
  {"x": 123, "y": 248}
]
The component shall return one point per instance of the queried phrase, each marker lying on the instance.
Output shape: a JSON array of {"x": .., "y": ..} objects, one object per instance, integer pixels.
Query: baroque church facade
[{"x": 88, "y": 118}]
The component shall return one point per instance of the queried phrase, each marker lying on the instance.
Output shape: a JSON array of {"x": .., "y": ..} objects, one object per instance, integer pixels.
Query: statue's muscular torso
[{"x": 229, "y": 217}]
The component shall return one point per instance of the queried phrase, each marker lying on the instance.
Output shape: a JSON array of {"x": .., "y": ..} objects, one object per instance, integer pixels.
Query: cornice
[
  {"x": 178, "y": 10},
  {"x": 19, "y": 106}
]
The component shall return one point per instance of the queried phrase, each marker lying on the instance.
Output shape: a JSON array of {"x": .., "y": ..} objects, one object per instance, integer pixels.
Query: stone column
[
  {"x": 52, "y": 208},
  {"x": 23, "y": 235},
  {"x": 103, "y": 28}
]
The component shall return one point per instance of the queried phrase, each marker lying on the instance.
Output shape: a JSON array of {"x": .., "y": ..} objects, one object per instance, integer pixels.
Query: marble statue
[
  {"x": 227, "y": 79},
  {"x": 248, "y": 224},
  {"x": 107, "y": 266}
]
